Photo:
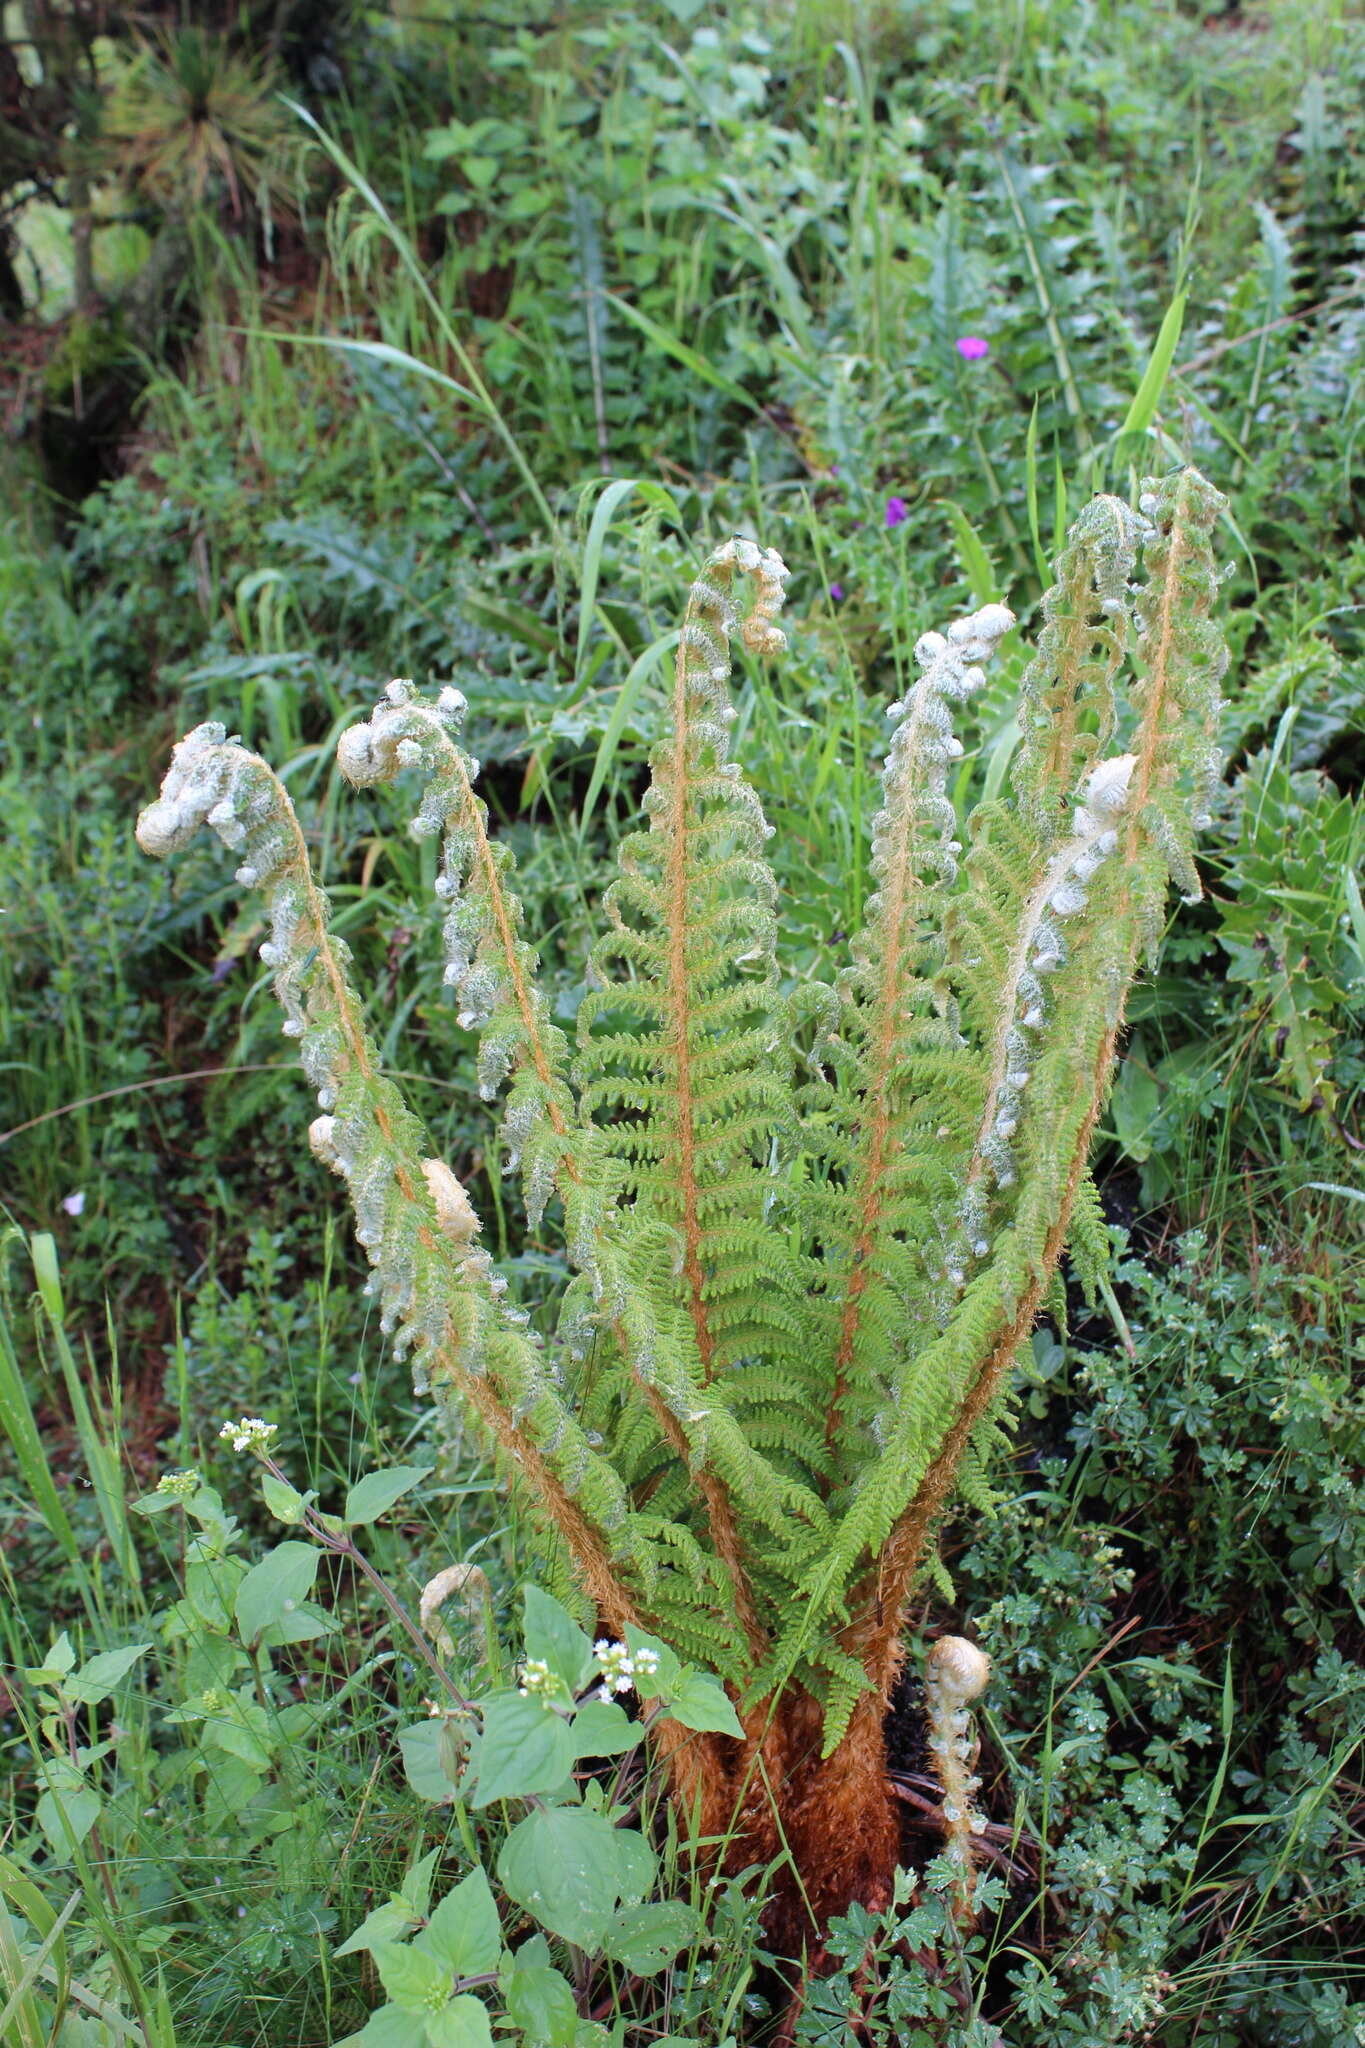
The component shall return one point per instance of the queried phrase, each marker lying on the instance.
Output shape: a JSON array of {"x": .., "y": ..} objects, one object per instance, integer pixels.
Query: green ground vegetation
[{"x": 433, "y": 342}]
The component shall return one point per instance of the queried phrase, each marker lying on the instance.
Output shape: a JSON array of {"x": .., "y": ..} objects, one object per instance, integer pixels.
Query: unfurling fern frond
[{"x": 793, "y": 1312}]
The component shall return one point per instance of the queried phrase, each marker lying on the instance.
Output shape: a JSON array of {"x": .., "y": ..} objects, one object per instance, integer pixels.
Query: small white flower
[
  {"x": 74, "y": 1204},
  {"x": 616, "y": 1665},
  {"x": 250, "y": 1434}
]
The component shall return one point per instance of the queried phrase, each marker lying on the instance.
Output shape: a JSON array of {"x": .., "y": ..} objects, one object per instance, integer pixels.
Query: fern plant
[{"x": 808, "y": 1228}]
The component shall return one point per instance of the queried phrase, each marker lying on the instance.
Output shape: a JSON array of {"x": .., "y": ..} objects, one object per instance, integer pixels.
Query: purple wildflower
[
  {"x": 836, "y": 591},
  {"x": 897, "y": 511},
  {"x": 972, "y": 348}
]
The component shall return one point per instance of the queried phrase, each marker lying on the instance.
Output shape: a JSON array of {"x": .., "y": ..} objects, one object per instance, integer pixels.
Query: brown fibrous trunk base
[{"x": 827, "y": 1828}]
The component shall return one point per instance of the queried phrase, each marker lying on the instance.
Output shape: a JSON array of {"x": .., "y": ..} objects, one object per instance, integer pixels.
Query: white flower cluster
[
  {"x": 620, "y": 1669},
  {"x": 537, "y": 1679},
  {"x": 250, "y": 1434}
]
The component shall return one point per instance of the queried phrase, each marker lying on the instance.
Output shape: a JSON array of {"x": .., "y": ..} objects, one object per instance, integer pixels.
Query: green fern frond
[
  {"x": 1068, "y": 687},
  {"x": 689, "y": 1054},
  {"x": 787, "y": 1339},
  {"x": 886, "y": 1027}
]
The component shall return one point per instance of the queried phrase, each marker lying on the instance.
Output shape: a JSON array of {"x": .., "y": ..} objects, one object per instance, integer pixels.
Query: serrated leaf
[
  {"x": 376, "y": 1493},
  {"x": 464, "y": 1931},
  {"x": 284, "y": 1501},
  {"x": 526, "y": 1748},
  {"x": 60, "y": 1660},
  {"x": 415, "y": 1890},
  {"x": 413, "y": 1979},
  {"x": 389, "y": 1922},
  {"x": 538, "y": 1998},
  {"x": 388, "y": 2028}
]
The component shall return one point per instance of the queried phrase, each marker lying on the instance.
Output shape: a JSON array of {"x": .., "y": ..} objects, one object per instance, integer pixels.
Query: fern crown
[{"x": 807, "y": 1227}]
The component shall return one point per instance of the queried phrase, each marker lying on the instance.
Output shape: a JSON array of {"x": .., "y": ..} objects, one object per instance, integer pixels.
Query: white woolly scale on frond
[
  {"x": 1009, "y": 984},
  {"x": 897, "y": 1055},
  {"x": 1067, "y": 713},
  {"x": 1183, "y": 658},
  {"x": 440, "y": 1299}
]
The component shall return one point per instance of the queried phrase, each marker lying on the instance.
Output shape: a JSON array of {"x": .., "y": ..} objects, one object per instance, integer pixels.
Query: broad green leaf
[
  {"x": 389, "y": 2027},
  {"x": 526, "y": 1748},
  {"x": 303, "y": 1624},
  {"x": 59, "y": 1663},
  {"x": 601, "y": 1728},
  {"x": 554, "y": 1636},
  {"x": 538, "y": 1998},
  {"x": 461, "y": 2024},
  {"x": 275, "y": 1587},
  {"x": 284, "y": 1501},
  {"x": 414, "y": 1980},
  {"x": 1136, "y": 1100},
  {"x": 421, "y": 1748},
  {"x": 464, "y": 1931},
  {"x": 154, "y": 1504},
  {"x": 389, "y": 1922},
  {"x": 647, "y": 1938},
  {"x": 700, "y": 1702},
  {"x": 415, "y": 1890},
  {"x": 66, "y": 1818},
  {"x": 242, "y": 1731},
  {"x": 636, "y": 1865},
  {"x": 566, "y": 1868},
  {"x": 376, "y": 1493}
]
